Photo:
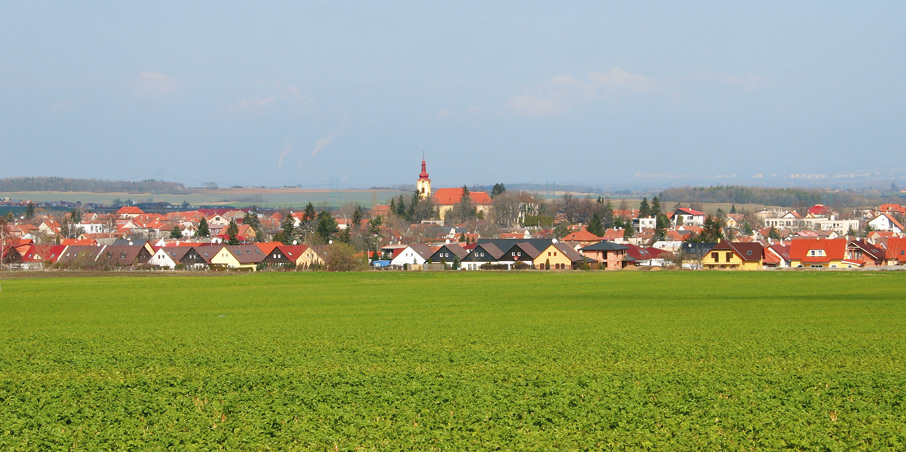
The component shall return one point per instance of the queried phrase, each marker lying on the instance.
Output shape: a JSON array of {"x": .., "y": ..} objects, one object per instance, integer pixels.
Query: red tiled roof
[
  {"x": 819, "y": 209},
  {"x": 450, "y": 196},
  {"x": 689, "y": 211},
  {"x": 129, "y": 210},
  {"x": 834, "y": 249},
  {"x": 582, "y": 236},
  {"x": 896, "y": 249}
]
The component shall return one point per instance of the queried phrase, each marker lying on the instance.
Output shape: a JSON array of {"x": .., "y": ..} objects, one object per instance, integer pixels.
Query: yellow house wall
[
  {"x": 708, "y": 261},
  {"x": 224, "y": 257},
  {"x": 308, "y": 259},
  {"x": 442, "y": 210},
  {"x": 559, "y": 258}
]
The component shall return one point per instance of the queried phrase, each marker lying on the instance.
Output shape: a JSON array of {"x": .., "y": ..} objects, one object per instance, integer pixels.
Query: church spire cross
[{"x": 424, "y": 173}]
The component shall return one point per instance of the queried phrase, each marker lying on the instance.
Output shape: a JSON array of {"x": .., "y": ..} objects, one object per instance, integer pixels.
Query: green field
[{"x": 455, "y": 361}]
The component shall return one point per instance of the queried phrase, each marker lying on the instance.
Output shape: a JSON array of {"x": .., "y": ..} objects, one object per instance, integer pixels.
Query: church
[{"x": 446, "y": 198}]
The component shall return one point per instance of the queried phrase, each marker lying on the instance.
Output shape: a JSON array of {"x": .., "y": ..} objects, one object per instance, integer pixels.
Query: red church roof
[
  {"x": 424, "y": 174},
  {"x": 450, "y": 196}
]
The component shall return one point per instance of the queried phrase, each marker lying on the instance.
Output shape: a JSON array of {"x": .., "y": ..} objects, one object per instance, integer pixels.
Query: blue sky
[{"x": 287, "y": 93}]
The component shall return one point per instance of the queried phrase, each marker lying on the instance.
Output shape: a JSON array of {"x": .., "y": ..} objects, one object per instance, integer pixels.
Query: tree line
[{"x": 14, "y": 184}]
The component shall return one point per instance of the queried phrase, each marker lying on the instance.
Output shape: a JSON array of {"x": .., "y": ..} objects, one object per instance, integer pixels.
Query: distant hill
[{"x": 19, "y": 184}]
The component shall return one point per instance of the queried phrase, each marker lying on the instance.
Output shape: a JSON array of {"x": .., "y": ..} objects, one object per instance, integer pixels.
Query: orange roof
[
  {"x": 129, "y": 210},
  {"x": 450, "y": 196},
  {"x": 76, "y": 242},
  {"x": 896, "y": 249},
  {"x": 267, "y": 247},
  {"x": 582, "y": 236},
  {"x": 834, "y": 249}
]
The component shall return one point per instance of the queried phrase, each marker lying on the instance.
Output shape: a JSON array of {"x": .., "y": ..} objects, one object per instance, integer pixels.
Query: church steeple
[{"x": 424, "y": 183}]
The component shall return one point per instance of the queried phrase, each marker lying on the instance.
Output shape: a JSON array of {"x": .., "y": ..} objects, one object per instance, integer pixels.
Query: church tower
[{"x": 423, "y": 186}]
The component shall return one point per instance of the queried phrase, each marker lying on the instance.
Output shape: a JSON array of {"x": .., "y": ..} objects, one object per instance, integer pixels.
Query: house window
[
  {"x": 715, "y": 257},
  {"x": 729, "y": 256}
]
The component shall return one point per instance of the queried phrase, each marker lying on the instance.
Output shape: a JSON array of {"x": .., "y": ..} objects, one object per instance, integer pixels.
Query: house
[
  {"x": 818, "y": 211},
  {"x": 582, "y": 238},
  {"x": 79, "y": 256},
  {"x": 560, "y": 256},
  {"x": 123, "y": 256},
  {"x": 886, "y": 222},
  {"x": 777, "y": 255},
  {"x": 522, "y": 252},
  {"x": 38, "y": 256},
  {"x": 819, "y": 253},
  {"x": 186, "y": 256},
  {"x": 447, "y": 198},
  {"x": 894, "y": 209},
  {"x": 482, "y": 254},
  {"x": 688, "y": 216},
  {"x": 896, "y": 251},
  {"x": 867, "y": 254},
  {"x": 243, "y": 257},
  {"x": 734, "y": 256},
  {"x": 129, "y": 212},
  {"x": 448, "y": 253},
  {"x": 645, "y": 256},
  {"x": 416, "y": 254},
  {"x": 298, "y": 256},
  {"x": 608, "y": 255},
  {"x": 691, "y": 254}
]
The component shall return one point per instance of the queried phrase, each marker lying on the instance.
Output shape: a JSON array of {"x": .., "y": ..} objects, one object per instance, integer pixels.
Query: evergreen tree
[
  {"x": 176, "y": 233},
  {"x": 660, "y": 227},
  {"x": 774, "y": 233},
  {"x": 400, "y": 207},
  {"x": 655, "y": 207},
  {"x": 232, "y": 233},
  {"x": 712, "y": 231},
  {"x": 30, "y": 210},
  {"x": 288, "y": 229},
  {"x": 607, "y": 214},
  {"x": 595, "y": 225},
  {"x": 203, "y": 229},
  {"x": 733, "y": 208},
  {"x": 310, "y": 212},
  {"x": 327, "y": 226},
  {"x": 252, "y": 220},
  {"x": 498, "y": 189},
  {"x": 644, "y": 209},
  {"x": 628, "y": 231},
  {"x": 357, "y": 217},
  {"x": 374, "y": 225}
]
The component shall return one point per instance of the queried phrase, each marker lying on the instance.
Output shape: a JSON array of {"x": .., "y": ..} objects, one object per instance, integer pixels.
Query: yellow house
[
  {"x": 246, "y": 257},
  {"x": 308, "y": 258},
  {"x": 558, "y": 256},
  {"x": 735, "y": 256}
]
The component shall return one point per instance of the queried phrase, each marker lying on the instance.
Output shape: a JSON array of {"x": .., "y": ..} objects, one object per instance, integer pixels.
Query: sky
[{"x": 355, "y": 93}]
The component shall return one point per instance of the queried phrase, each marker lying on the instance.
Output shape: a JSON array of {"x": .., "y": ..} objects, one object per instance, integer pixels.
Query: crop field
[{"x": 455, "y": 361}]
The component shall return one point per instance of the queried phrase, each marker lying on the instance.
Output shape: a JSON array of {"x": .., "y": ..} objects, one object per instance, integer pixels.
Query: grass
[{"x": 455, "y": 361}]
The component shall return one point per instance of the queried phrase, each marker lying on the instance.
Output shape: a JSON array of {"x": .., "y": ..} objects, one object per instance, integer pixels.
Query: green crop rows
[{"x": 455, "y": 361}]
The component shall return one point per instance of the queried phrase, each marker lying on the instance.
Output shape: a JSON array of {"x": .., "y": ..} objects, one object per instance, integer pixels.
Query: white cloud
[
  {"x": 153, "y": 85},
  {"x": 621, "y": 79},
  {"x": 561, "y": 92}
]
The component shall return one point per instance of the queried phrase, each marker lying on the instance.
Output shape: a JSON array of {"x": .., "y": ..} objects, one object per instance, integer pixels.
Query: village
[{"x": 458, "y": 229}]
